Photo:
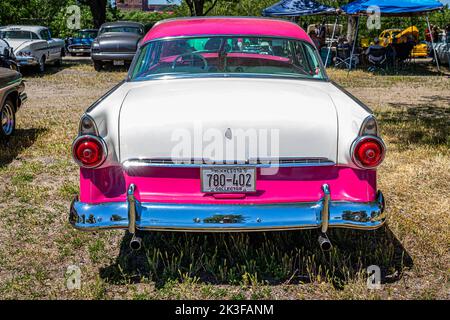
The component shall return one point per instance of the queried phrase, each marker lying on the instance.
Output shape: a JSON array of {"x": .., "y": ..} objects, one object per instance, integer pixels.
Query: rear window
[
  {"x": 18, "y": 34},
  {"x": 228, "y": 55},
  {"x": 135, "y": 30}
]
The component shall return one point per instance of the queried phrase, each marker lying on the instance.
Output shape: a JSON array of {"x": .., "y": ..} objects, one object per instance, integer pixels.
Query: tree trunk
[
  {"x": 197, "y": 7},
  {"x": 98, "y": 10}
]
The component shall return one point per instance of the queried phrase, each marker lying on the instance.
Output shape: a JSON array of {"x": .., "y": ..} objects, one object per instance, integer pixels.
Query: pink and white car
[{"x": 227, "y": 124}]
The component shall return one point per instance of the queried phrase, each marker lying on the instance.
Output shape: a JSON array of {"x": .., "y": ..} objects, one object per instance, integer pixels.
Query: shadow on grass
[
  {"x": 415, "y": 67},
  {"x": 22, "y": 139},
  {"x": 51, "y": 68},
  {"x": 424, "y": 123},
  {"x": 271, "y": 258},
  {"x": 86, "y": 60}
]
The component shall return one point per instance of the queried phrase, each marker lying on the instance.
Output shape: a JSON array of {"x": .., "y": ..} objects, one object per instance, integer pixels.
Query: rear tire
[
  {"x": 41, "y": 65},
  {"x": 59, "y": 62},
  {"x": 7, "y": 119},
  {"x": 98, "y": 66}
]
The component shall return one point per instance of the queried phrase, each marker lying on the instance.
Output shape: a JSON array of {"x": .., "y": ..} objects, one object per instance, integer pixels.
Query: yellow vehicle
[{"x": 387, "y": 37}]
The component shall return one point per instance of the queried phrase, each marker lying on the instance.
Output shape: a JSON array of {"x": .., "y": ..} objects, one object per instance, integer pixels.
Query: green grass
[{"x": 38, "y": 181}]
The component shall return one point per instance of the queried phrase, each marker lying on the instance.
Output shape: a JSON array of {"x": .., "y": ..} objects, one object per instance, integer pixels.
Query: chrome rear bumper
[{"x": 134, "y": 215}]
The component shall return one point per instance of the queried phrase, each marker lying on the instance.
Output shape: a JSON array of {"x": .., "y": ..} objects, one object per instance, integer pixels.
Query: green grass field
[{"x": 38, "y": 180}]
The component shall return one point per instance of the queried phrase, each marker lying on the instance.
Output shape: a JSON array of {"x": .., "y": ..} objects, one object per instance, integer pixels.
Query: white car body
[
  {"x": 129, "y": 115},
  {"x": 442, "y": 48},
  {"x": 37, "y": 50},
  {"x": 218, "y": 133}
]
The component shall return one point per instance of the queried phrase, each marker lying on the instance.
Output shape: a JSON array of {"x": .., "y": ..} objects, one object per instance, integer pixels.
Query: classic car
[
  {"x": 12, "y": 96},
  {"x": 81, "y": 43},
  {"x": 7, "y": 58},
  {"x": 227, "y": 125},
  {"x": 116, "y": 43},
  {"x": 442, "y": 48},
  {"x": 33, "y": 46}
]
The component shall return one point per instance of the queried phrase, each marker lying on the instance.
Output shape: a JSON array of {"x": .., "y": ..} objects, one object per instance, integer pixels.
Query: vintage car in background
[
  {"x": 12, "y": 96},
  {"x": 33, "y": 46},
  {"x": 389, "y": 36},
  {"x": 227, "y": 125},
  {"x": 116, "y": 43},
  {"x": 7, "y": 58},
  {"x": 442, "y": 47},
  {"x": 81, "y": 43}
]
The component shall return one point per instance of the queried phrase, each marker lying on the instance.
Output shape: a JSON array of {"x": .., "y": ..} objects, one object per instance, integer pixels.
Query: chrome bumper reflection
[
  {"x": 134, "y": 215},
  {"x": 27, "y": 61}
]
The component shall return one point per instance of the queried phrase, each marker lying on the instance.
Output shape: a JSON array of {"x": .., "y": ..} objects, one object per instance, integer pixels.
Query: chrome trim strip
[
  {"x": 325, "y": 214},
  {"x": 131, "y": 209},
  {"x": 282, "y": 163}
]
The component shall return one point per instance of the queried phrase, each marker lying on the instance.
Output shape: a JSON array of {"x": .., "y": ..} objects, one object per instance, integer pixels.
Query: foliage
[
  {"x": 53, "y": 13},
  {"x": 29, "y": 11},
  {"x": 59, "y": 26},
  {"x": 241, "y": 8},
  {"x": 147, "y": 18}
]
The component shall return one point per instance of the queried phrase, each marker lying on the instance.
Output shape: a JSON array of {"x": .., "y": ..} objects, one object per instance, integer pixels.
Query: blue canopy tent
[
  {"x": 295, "y": 8},
  {"x": 391, "y": 8}
]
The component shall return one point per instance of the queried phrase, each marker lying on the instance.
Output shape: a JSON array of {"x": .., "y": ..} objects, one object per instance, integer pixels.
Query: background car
[
  {"x": 7, "y": 58},
  {"x": 81, "y": 42},
  {"x": 116, "y": 43},
  {"x": 12, "y": 96},
  {"x": 33, "y": 46},
  {"x": 442, "y": 47}
]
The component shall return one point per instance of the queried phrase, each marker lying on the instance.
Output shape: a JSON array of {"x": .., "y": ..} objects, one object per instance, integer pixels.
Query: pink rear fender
[{"x": 182, "y": 185}]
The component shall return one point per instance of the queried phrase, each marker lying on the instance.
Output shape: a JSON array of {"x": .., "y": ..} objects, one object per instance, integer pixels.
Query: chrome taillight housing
[
  {"x": 368, "y": 151},
  {"x": 89, "y": 151}
]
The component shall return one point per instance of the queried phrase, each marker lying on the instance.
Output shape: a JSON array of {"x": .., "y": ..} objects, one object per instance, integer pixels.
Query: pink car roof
[{"x": 226, "y": 26}]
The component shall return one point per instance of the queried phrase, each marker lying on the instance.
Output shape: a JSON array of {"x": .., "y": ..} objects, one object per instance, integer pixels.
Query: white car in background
[
  {"x": 33, "y": 45},
  {"x": 442, "y": 47}
]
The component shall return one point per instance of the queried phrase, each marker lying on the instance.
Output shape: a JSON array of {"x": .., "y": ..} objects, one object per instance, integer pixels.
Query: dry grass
[{"x": 38, "y": 180}]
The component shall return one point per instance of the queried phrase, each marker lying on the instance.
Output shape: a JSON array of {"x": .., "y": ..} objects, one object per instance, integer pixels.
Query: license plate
[
  {"x": 228, "y": 179},
  {"x": 119, "y": 62}
]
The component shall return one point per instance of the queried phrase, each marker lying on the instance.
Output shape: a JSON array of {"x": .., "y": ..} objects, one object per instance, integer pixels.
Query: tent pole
[
  {"x": 331, "y": 42},
  {"x": 354, "y": 43},
  {"x": 432, "y": 44}
]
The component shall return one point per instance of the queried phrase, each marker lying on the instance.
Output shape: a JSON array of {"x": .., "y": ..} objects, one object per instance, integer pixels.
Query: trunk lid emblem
[{"x": 228, "y": 134}]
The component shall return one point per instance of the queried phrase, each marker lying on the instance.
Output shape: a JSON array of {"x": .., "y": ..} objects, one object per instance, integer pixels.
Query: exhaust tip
[
  {"x": 324, "y": 242},
  {"x": 135, "y": 243}
]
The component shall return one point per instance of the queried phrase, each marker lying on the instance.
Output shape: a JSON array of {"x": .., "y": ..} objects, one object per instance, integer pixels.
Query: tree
[
  {"x": 98, "y": 10},
  {"x": 197, "y": 7}
]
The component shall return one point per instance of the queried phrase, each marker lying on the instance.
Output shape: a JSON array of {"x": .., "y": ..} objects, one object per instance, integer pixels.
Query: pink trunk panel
[{"x": 182, "y": 185}]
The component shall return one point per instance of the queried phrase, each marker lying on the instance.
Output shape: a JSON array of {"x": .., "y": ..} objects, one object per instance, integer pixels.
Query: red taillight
[
  {"x": 89, "y": 151},
  {"x": 368, "y": 151}
]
